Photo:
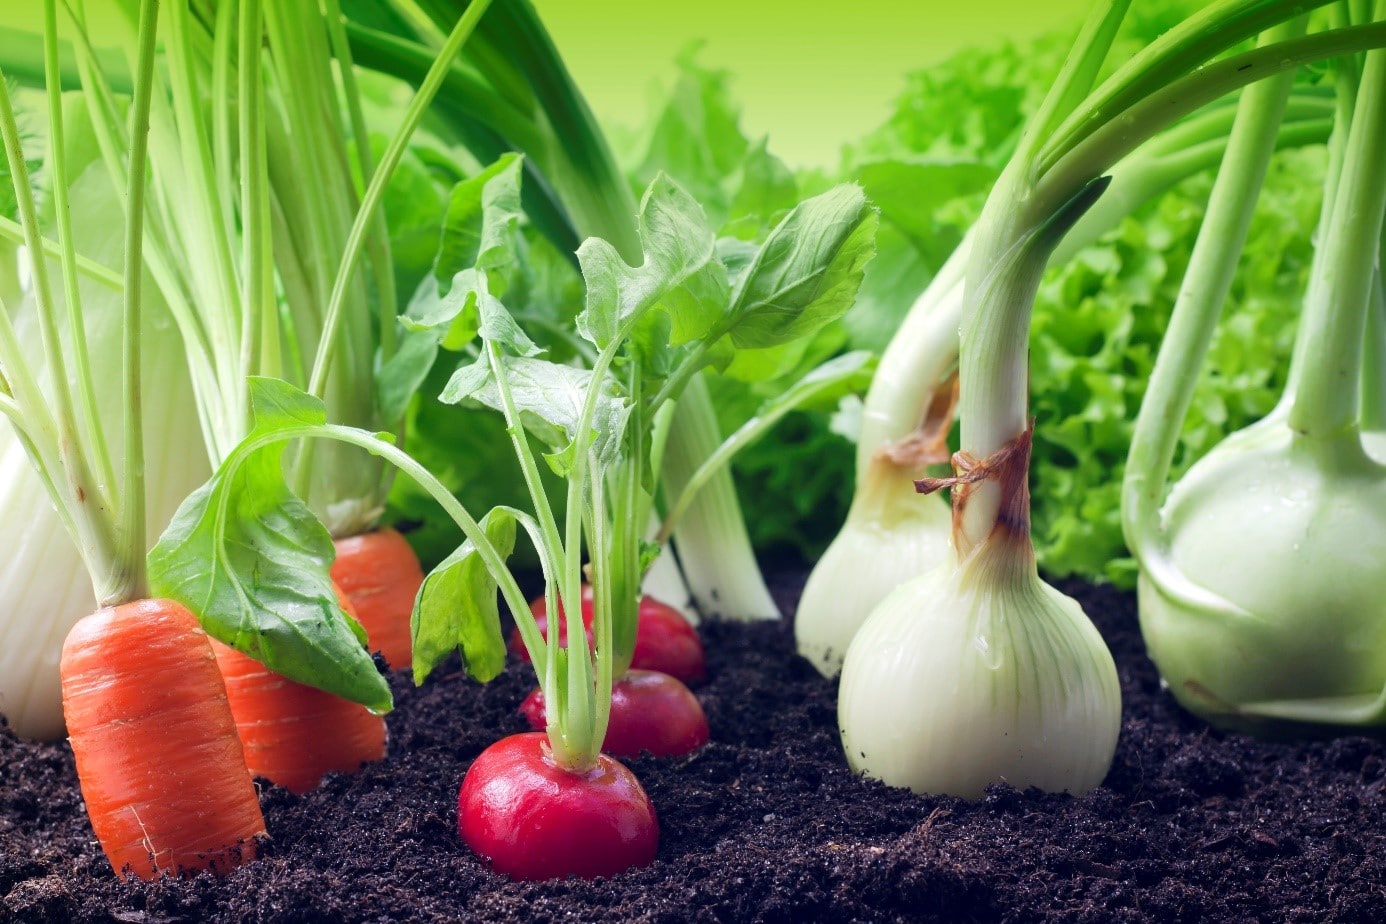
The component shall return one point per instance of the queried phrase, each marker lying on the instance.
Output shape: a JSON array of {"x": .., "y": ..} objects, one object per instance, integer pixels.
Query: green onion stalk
[
  {"x": 1258, "y": 597},
  {"x": 892, "y": 533},
  {"x": 513, "y": 92},
  {"x": 980, "y": 650}
]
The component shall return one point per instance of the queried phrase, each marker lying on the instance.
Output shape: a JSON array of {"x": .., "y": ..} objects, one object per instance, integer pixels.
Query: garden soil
[{"x": 767, "y": 823}]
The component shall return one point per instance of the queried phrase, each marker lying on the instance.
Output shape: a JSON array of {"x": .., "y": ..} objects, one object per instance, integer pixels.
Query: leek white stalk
[{"x": 1261, "y": 594}]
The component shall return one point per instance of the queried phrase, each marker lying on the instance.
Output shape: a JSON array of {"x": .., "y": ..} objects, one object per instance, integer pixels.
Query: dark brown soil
[{"x": 767, "y": 824}]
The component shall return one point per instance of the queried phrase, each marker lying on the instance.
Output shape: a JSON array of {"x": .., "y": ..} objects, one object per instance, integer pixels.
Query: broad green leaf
[
  {"x": 696, "y": 137},
  {"x": 911, "y": 194},
  {"x": 456, "y": 608},
  {"x": 766, "y": 187},
  {"x": 498, "y": 326},
  {"x": 549, "y": 398},
  {"x": 680, "y": 276},
  {"x": 450, "y": 310},
  {"x": 479, "y": 226},
  {"x": 398, "y": 379},
  {"x": 893, "y": 280},
  {"x": 251, "y": 561},
  {"x": 807, "y": 272},
  {"x": 413, "y": 204}
]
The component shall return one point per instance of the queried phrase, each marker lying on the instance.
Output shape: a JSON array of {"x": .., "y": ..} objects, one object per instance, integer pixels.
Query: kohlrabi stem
[
  {"x": 1373, "y": 415},
  {"x": 1347, "y": 76},
  {"x": 1212, "y": 265},
  {"x": 375, "y": 191},
  {"x": 1334, "y": 323},
  {"x": 1075, "y": 166},
  {"x": 92, "y": 430},
  {"x": 131, "y": 580}
]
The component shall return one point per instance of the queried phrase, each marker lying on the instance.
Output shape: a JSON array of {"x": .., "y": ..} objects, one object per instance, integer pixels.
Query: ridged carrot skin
[
  {"x": 294, "y": 734},
  {"x": 160, "y": 765},
  {"x": 380, "y": 574}
]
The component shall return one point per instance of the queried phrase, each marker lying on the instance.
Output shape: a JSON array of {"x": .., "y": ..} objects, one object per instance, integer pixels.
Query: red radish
[
  {"x": 664, "y": 640},
  {"x": 531, "y": 818},
  {"x": 650, "y": 711}
]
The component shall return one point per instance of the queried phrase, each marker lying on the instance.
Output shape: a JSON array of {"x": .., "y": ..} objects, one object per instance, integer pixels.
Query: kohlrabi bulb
[
  {"x": 892, "y": 534},
  {"x": 976, "y": 672},
  {"x": 1290, "y": 533}
]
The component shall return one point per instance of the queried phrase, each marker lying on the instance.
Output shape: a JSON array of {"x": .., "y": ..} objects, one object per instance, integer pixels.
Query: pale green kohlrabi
[
  {"x": 46, "y": 583},
  {"x": 1262, "y": 593}
]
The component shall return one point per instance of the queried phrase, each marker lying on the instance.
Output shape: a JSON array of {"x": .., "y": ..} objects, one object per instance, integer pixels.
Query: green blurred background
[{"x": 811, "y": 75}]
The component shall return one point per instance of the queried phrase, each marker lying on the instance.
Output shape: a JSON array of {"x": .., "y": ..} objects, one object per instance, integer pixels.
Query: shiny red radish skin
[
  {"x": 530, "y": 818},
  {"x": 664, "y": 640},
  {"x": 650, "y": 711}
]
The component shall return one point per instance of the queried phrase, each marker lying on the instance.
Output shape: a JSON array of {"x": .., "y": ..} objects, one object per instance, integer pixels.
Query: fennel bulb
[{"x": 42, "y": 571}]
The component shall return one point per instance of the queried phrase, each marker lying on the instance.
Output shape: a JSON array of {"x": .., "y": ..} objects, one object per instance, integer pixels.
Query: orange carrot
[
  {"x": 295, "y": 734},
  {"x": 381, "y": 575},
  {"x": 161, "y": 768}
]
